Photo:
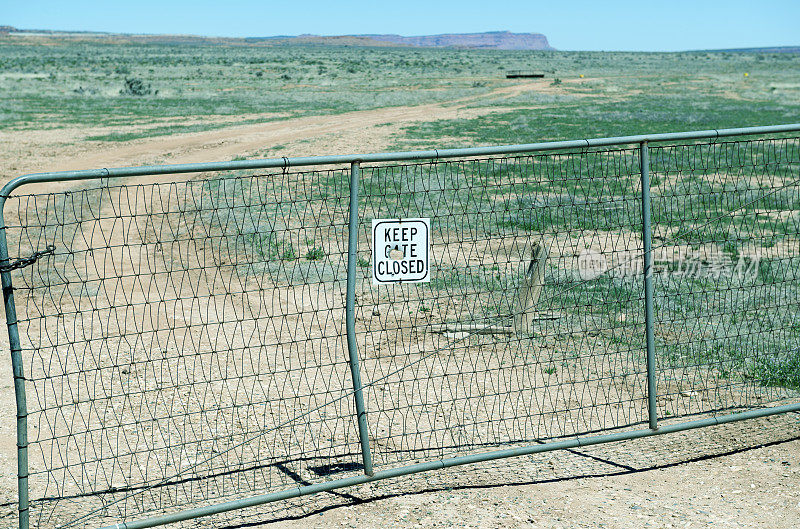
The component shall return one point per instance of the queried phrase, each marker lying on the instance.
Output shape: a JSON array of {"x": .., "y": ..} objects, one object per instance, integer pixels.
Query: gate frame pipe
[
  {"x": 283, "y": 163},
  {"x": 647, "y": 255},
  {"x": 18, "y": 369},
  {"x": 350, "y": 317}
]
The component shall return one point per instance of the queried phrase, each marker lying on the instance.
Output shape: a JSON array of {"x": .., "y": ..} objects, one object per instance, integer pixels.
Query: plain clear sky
[{"x": 654, "y": 25}]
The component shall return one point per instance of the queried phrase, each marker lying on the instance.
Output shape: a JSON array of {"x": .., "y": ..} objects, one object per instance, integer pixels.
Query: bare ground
[
  {"x": 745, "y": 490},
  {"x": 636, "y": 484},
  {"x": 742, "y": 488}
]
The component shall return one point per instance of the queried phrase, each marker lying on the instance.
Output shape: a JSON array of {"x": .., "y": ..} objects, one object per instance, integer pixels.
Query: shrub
[
  {"x": 136, "y": 87},
  {"x": 315, "y": 254}
]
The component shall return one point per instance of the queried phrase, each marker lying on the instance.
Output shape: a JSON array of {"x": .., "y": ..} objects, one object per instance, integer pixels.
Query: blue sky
[{"x": 664, "y": 25}]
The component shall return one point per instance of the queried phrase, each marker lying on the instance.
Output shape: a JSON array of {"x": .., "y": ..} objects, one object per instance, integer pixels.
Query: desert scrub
[
  {"x": 136, "y": 87},
  {"x": 315, "y": 254}
]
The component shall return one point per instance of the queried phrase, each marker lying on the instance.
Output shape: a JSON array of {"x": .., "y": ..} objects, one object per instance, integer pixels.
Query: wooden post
[{"x": 529, "y": 291}]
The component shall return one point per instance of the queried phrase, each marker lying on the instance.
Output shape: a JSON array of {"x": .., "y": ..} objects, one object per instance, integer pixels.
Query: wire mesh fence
[
  {"x": 185, "y": 343},
  {"x": 727, "y": 304},
  {"x": 172, "y": 324},
  {"x": 491, "y": 381}
]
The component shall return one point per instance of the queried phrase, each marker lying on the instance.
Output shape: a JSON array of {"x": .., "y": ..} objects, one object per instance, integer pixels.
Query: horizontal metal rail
[
  {"x": 451, "y": 462},
  {"x": 150, "y": 170}
]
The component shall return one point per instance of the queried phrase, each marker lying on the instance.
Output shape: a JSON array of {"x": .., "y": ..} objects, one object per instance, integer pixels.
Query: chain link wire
[{"x": 187, "y": 346}]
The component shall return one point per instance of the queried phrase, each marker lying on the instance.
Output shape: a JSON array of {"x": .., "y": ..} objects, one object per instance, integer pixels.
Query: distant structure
[{"x": 520, "y": 74}]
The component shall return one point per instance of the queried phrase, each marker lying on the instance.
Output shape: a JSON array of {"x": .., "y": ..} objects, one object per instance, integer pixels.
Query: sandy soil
[{"x": 638, "y": 484}]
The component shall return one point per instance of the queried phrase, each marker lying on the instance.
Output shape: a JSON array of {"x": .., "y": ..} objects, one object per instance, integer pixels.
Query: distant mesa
[
  {"x": 497, "y": 40},
  {"x": 490, "y": 40},
  {"x": 772, "y": 49}
]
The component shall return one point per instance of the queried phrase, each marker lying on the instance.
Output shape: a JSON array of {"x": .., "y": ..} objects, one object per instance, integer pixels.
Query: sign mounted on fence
[{"x": 400, "y": 251}]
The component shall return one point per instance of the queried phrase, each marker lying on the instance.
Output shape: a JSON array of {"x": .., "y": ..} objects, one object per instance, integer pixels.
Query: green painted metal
[
  {"x": 19, "y": 376},
  {"x": 151, "y": 170},
  {"x": 354, "y": 161},
  {"x": 451, "y": 462},
  {"x": 647, "y": 255},
  {"x": 350, "y": 310}
]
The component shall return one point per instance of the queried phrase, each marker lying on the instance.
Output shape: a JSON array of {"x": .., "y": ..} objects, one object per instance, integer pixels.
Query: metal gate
[{"x": 184, "y": 346}]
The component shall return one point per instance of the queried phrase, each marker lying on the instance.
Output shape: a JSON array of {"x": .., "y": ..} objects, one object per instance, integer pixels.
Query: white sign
[{"x": 400, "y": 251}]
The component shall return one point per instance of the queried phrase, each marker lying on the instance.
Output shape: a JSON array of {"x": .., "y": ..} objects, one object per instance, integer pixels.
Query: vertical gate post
[
  {"x": 350, "y": 309},
  {"x": 19, "y": 375},
  {"x": 644, "y": 162}
]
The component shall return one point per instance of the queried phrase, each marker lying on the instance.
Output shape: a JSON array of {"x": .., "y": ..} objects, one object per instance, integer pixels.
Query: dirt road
[{"x": 67, "y": 149}]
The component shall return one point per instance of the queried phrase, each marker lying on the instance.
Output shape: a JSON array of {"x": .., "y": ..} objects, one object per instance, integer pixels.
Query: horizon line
[{"x": 56, "y": 32}]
